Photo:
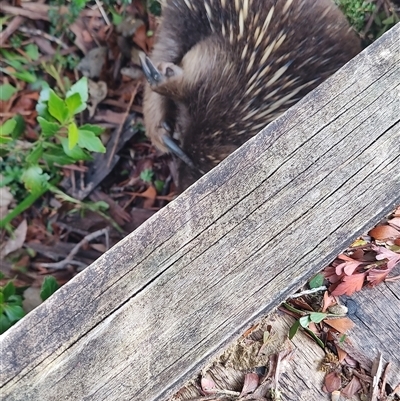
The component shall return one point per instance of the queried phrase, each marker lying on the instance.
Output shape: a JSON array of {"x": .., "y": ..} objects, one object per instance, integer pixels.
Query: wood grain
[{"x": 144, "y": 317}]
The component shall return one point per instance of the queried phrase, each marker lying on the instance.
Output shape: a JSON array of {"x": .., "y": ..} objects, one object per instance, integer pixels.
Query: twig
[
  {"x": 118, "y": 134},
  {"x": 384, "y": 380},
  {"x": 371, "y": 18},
  {"x": 103, "y": 14},
  {"x": 38, "y": 32},
  {"x": 11, "y": 28},
  {"x": 376, "y": 373},
  {"x": 307, "y": 292},
  {"x": 68, "y": 260}
]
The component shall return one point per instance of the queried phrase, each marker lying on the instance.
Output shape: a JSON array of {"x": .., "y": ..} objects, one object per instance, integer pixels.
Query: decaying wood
[{"x": 150, "y": 312}]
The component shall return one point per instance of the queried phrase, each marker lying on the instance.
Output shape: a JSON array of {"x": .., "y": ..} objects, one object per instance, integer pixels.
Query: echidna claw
[
  {"x": 175, "y": 149},
  {"x": 153, "y": 76}
]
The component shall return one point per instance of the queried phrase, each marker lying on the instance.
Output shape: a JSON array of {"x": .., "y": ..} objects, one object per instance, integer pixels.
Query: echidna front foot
[
  {"x": 150, "y": 71},
  {"x": 163, "y": 78}
]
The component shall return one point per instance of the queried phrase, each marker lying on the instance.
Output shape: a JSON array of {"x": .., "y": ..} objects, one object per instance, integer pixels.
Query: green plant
[
  {"x": 10, "y": 306},
  {"x": 49, "y": 287},
  {"x": 20, "y": 66},
  {"x": 59, "y": 21},
  {"x": 147, "y": 175},
  {"x": 154, "y": 7},
  {"x": 304, "y": 321},
  {"x": 356, "y": 11},
  {"x": 61, "y": 141}
]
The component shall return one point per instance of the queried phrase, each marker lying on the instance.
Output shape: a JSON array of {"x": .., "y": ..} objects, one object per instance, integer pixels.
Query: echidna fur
[{"x": 232, "y": 66}]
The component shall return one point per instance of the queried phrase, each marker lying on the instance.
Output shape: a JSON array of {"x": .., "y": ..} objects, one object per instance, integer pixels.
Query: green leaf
[
  {"x": 8, "y": 127},
  {"x": 15, "y": 299},
  {"x": 74, "y": 103},
  {"x": 32, "y": 51},
  {"x": 317, "y": 281},
  {"x": 14, "y": 312},
  {"x": 48, "y": 128},
  {"x": 57, "y": 107},
  {"x": 116, "y": 18},
  {"x": 305, "y": 321},
  {"x": 293, "y": 330},
  {"x": 57, "y": 156},
  {"x": 1, "y": 298},
  {"x": 5, "y": 323},
  {"x": 2, "y": 275},
  {"x": 73, "y": 135},
  {"x": 8, "y": 290},
  {"x": 6, "y": 91},
  {"x": 19, "y": 128},
  {"x": 4, "y": 140},
  {"x": 93, "y": 128},
  {"x": 147, "y": 175},
  {"x": 35, "y": 154},
  {"x": 49, "y": 287},
  {"x": 34, "y": 179},
  {"x": 317, "y": 317},
  {"x": 89, "y": 141},
  {"x": 316, "y": 339},
  {"x": 76, "y": 153},
  {"x": 159, "y": 186},
  {"x": 25, "y": 76},
  {"x": 80, "y": 87}
]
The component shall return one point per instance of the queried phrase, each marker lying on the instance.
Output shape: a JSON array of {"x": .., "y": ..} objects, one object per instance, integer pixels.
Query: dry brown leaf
[
  {"x": 208, "y": 384},
  {"x": 332, "y": 382},
  {"x": 384, "y": 232},
  {"x": 328, "y": 301},
  {"x": 341, "y": 325},
  {"x": 348, "y": 267},
  {"x": 395, "y": 222},
  {"x": 349, "y": 285},
  {"x": 16, "y": 241},
  {"x": 341, "y": 353},
  {"x": 352, "y": 388},
  {"x": 140, "y": 37},
  {"x": 251, "y": 381},
  {"x": 383, "y": 253}
]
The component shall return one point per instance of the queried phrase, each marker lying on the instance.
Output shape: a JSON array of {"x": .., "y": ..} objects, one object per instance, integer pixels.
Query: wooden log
[{"x": 147, "y": 315}]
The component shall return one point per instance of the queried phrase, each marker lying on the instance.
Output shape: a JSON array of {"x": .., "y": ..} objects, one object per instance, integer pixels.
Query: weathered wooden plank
[{"x": 146, "y": 315}]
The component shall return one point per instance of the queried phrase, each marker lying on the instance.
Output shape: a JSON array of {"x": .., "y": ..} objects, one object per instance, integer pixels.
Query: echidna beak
[
  {"x": 174, "y": 148},
  {"x": 150, "y": 71}
]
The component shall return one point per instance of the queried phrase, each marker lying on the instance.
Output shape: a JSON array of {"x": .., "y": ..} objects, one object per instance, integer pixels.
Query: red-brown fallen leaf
[
  {"x": 383, "y": 253},
  {"x": 330, "y": 274},
  {"x": 352, "y": 388},
  {"x": 328, "y": 301},
  {"x": 395, "y": 222},
  {"x": 150, "y": 194},
  {"x": 397, "y": 241},
  {"x": 300, "y": 303},
  {"x": 384, "y": 232},
  {"x": 251, "y": 381},
  {"x": 332, "y": 382},
  {"x": 341, "y": 325},
  {"x": 377, "y": 276},
  {"x": 341, "y": 353},
  {"x": 348, "y": 267},
  {"x": 140, "y": 37},
  {"x": 349, "y": 285}
]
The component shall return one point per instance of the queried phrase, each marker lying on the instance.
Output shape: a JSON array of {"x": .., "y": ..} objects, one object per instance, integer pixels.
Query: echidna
[{"x": 222, "y": 69}]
